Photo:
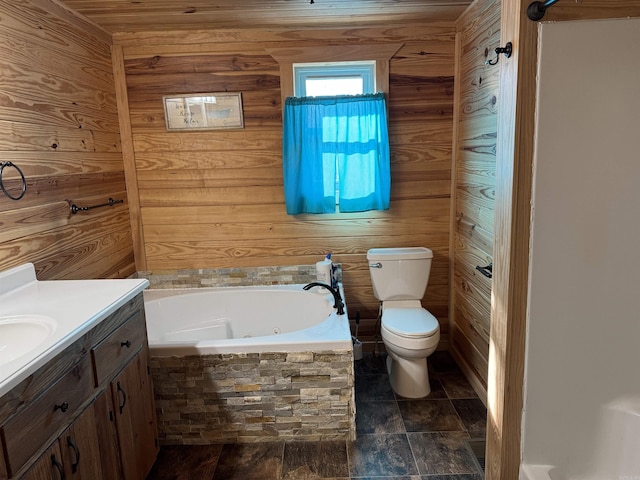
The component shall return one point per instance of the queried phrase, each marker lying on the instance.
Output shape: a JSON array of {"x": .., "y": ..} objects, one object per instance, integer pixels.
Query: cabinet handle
[
  {"x": 124, "y": 398},
  {"x": 74, "y": 465},
  {"x": 58, "y": 465},
  {"x": 63, "y": 407},
  {"x": 126, "y": 344}
]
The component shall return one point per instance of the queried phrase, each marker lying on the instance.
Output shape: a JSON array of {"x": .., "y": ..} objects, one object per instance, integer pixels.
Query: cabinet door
[
  {"x": 48, "y": 467},
  {"x": 80, "y": 448},
  {"x": 52, "y": 410},
  {"x": 135, "y": 418},
  {"x": 107, "y": 436}
]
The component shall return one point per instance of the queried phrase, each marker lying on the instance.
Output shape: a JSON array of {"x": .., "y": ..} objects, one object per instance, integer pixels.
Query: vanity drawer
[
  {"x": 27, "y": 431},
  {"x": 115, "y": 351}
]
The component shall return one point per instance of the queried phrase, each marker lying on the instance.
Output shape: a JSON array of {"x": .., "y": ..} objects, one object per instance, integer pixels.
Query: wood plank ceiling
[{"x": 163, "y": 15}]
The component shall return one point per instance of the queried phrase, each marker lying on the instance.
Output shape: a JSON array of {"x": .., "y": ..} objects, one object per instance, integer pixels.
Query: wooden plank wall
[
  {"x": 59, "y": 124},
  {"x": 215, "y": 199},
  {"x": 477, "y": 94}
]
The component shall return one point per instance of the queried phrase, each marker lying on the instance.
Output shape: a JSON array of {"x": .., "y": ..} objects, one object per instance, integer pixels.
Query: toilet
[{"x": 410, "y": 333}]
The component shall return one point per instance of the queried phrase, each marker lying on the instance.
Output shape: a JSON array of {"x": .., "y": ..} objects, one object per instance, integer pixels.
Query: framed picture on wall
[{"x": 203, "y": 111}]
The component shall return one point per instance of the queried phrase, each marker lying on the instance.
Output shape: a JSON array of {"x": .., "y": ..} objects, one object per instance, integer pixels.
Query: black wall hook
[{"x": 507, "y": 50}]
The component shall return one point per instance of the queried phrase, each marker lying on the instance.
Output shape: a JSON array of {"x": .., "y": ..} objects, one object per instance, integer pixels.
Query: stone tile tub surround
[
  {"x": 252, "y": 397},
  {"x": 230, "y": 277}
]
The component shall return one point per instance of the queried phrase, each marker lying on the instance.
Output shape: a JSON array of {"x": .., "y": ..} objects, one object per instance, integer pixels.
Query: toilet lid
[{"x": 410, "y": 322}]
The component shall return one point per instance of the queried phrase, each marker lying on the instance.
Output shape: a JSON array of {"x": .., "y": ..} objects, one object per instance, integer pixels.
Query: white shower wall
[{"x": 583, "y": 341}]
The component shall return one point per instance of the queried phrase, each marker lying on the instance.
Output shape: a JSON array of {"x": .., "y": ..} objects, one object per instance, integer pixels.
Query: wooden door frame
[
  {"x": 514, "y": 175},
  {"x": 514, "y": 161}
]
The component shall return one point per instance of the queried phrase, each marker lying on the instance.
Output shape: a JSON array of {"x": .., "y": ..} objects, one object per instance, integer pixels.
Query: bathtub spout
[{"x": 334, "y": 291}]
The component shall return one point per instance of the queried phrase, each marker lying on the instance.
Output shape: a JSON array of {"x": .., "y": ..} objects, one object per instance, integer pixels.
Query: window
[
  {"x": 326, "y": 79},
  {"x": 332, "y": 79},
  {"x": 337, "y": 139}
]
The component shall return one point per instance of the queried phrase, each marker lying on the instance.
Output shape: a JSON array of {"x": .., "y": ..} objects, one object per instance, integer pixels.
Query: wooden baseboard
[{"x": 474, "y": 380}]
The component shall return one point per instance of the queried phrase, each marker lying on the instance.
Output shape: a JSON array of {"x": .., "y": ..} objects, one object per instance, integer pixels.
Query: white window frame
[
  {"x": 364, "y": 70},
  {"x": 287, "y": 56}
]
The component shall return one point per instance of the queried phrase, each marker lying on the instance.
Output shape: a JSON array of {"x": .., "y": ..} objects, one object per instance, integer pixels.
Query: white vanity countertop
[{"x": 75, "y": 306}]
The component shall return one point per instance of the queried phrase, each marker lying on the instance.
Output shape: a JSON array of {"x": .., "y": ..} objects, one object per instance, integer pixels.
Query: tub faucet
[{"x": 334, "y": 291}]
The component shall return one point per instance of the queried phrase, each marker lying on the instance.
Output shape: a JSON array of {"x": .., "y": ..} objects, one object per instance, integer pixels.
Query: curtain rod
[{"x": 536, "y": 10}]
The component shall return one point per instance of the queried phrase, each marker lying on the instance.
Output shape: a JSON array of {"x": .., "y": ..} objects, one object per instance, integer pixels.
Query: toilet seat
[{"x": 415, "y": 323}]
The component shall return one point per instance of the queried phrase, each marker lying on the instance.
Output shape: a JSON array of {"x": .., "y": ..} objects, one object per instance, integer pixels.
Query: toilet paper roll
[{"x": 323, "y": 271}]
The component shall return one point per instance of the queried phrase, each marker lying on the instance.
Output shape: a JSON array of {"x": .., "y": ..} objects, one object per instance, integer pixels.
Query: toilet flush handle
[{"x": 375, "y": 265}]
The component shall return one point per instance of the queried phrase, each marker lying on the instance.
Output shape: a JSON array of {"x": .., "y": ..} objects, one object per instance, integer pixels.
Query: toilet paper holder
[{"x": 486, "y": 271}]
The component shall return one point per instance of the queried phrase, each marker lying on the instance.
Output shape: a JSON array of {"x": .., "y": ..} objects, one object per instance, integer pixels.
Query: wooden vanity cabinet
[
  {"x": 76, "y": 453},
  {"x": 26, "y": 432},
  {"x": 95, "y": 400},
  {"x": 48, "y": 466},
  {"x": 80, "y": 448},
  {"x": 125, "y": 354},
  {"x": 108, "y": 436},
  {"x": 135, "y": 418}
]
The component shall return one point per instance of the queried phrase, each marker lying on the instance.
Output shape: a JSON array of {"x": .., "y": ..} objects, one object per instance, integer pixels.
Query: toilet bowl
[{"x": 409, "y": 332}]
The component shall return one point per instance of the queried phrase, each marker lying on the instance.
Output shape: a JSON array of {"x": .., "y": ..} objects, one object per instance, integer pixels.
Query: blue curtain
[{"x": 349, "y": 133}]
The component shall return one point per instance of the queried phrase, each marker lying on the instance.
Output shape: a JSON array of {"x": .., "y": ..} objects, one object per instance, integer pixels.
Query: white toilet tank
[{"x": 399, "y": 273}]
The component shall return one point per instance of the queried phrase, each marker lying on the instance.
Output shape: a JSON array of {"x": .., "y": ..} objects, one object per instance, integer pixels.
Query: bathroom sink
[{"x": 22, "y": 334}]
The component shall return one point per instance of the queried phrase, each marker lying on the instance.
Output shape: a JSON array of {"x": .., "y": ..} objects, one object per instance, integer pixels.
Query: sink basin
[{"x": 22, "y": 334}]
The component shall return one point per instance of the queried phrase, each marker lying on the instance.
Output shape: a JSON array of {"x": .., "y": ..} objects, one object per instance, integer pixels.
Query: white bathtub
[
  {"x": 613, "y": 455},
  {"x": 219, "y": 355},
  {"x": 283, "y": 318}
]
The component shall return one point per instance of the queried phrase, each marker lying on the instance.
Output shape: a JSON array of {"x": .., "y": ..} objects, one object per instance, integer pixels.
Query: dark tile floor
[{"x": 440, "y": 437}]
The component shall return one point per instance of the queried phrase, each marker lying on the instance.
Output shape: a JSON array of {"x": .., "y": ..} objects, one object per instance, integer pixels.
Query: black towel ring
[{"x": 24, "y": 181}]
